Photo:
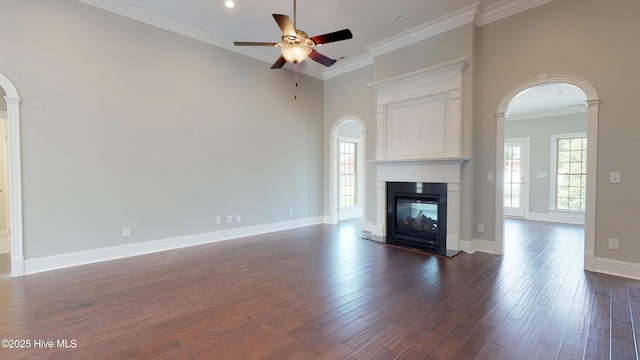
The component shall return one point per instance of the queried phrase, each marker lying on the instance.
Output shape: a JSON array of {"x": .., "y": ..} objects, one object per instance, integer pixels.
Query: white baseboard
[
  {"x": 618, "y": 268},
  {"x": 350, "y": 213},
  {"x": 558, "y": 217},
  {"x": 601, "y": 265},
  {"x": 369, "y": 227},
  {"x": 485, "y": 246},
  {"x": 54, "y": 262}
]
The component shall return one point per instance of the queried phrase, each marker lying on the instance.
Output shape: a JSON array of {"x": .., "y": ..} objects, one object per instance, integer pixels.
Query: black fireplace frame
[{"x": 432, "y": 192}]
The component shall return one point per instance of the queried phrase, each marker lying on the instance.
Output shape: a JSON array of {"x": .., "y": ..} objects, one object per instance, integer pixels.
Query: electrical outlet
[
  {"x": 229, "y": 219},
  {"x": 290, "y": 211},
  {"x": 239, "y": 218},
  {"x": 126, "y": 231},
  {"x": 613, "y": 244},
  {"x": 614, "y": 177},
  {"x": 218, "y": 220},
  {"x": 491, "y": 177},
  {"x": 480, "y": 227}
]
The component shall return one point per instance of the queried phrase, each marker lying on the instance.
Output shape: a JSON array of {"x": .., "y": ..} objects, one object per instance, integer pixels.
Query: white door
[{"x": 515, "y": 178}]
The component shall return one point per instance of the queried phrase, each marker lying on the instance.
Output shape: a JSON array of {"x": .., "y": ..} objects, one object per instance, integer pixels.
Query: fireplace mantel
[
  {"x": 420, "y": 137},
  {"x": 453, "y": 159}
]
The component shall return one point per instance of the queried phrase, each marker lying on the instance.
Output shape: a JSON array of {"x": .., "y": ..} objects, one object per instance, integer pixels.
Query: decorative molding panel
[{"x": 419, "y": 113}]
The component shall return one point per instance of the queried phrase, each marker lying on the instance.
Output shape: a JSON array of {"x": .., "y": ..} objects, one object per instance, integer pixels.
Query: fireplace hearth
[{"x": 417, "y": 215}]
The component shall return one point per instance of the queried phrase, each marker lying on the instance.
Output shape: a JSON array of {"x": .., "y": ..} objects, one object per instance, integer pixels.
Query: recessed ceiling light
[
  {"x": 400, "y": 18},
  {"x": 230, "y": 4}
]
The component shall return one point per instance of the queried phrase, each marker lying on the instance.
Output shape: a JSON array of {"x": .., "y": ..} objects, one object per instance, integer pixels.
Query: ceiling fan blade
[
  {"x": 331, "y": 37},
  {"x": 285, "y": 24},
  {"x": 279, "y": 63},
  {"x": 316, "y": 56},
  {"x": 252, "y": 43}
]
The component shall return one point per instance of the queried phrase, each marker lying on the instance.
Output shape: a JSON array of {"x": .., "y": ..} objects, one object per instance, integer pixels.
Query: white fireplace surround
[{"x": 420, "y": 136}]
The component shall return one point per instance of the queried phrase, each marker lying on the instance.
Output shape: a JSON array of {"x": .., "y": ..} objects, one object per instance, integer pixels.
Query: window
[
  {"x": 348, "y": 174},
  {"x": 571, "y": 172}
]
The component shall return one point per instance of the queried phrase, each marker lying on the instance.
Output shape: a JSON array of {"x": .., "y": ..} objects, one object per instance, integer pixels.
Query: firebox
[{"x": 417, "y": 215}]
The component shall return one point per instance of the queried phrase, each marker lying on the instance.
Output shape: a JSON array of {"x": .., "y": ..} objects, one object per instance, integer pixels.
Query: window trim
[
  {"x": 554, "y": 168},
  {"x": 358, "y": 169}
]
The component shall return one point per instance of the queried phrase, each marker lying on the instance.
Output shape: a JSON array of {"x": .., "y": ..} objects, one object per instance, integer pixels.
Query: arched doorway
[
  {"x": 347, "y": 134},
  {"x": 592, "y": 104},
  {"x": 15, "y": 174}
]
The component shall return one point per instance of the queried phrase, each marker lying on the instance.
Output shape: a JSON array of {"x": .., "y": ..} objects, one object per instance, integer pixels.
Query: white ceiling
[
  {"x": 373, "y": 23},
  {"x": 546, "y": 100}
]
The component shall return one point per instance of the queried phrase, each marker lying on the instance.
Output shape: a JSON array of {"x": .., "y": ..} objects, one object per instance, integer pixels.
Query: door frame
[
  {"x": 592, "y": 103},
  {"x": 527, "y": 176},
  {"x": 15, "y": 175}
]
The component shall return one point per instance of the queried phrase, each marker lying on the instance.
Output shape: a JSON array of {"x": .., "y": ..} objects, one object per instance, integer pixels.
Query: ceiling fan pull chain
[{"x": 295, "y": 79}]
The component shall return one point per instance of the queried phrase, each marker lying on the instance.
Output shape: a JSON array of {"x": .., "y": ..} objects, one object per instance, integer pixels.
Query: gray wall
[
  {"x": 124, "y": 124},
  {"x": 539, "y": 131},
  {"x": 593, "y": 40},
  {"x": 348, "y": 96},
  {"x": 590, "y": 39}
]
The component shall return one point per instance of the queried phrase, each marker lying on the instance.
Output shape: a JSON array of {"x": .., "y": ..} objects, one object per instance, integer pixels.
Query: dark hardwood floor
[{"x": 321, "y": 292}]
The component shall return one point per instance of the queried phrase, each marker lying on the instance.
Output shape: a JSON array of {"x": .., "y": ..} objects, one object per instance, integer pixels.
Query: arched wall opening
[
  {"x": 592, "y": 104},
  {"x": 356, "y": 133},
  {"x": 15, "y": 175}
]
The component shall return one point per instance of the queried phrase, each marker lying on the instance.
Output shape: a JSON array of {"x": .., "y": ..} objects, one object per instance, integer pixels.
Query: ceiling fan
[{"x": 296, "y": 45}]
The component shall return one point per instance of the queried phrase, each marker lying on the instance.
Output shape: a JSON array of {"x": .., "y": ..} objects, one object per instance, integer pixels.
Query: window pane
[
  {"x": 571, "y": 159},
  {"x": 347, "y": 167},
  {"x": 564, "y": 156}
]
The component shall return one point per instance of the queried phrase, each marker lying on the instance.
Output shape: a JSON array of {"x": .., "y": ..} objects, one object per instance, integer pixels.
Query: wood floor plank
[{"x": 322, "y": 292}]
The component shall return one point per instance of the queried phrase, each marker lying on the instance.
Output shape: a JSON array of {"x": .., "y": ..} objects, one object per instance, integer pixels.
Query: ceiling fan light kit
[
  {"x": 296, "y": 45},
  {"x": 295, "y": 53}
]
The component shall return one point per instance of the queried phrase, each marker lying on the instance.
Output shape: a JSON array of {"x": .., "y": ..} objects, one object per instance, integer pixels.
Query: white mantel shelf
[{"x": 459, "y": 159}]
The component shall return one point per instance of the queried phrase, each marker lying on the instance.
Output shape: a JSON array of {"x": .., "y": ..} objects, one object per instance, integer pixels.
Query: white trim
[
  {"x": 333, "y": 166},
  {"x": 351, "y": 212},
  {"x": 118, "y": 252},
  {"x": 343, "y": 67},
  {"x": 559, "y": 216},
  {"x": 617, "y": 268},
  {"x": 445, "y": 23},
  {"x": 15, "y": 175},
  {"x": 592, "y": 158},
  {"x": 484, "y": 246},
  {"x": 526, "y": 170},
  {"x": 505, "y": 9},
  {"x": 553, "y": 164}
]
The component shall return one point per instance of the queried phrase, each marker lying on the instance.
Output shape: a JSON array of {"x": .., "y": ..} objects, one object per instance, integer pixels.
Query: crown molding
[
  {"x": 503, "y": 9},
  {"x": 165, "y": 23},
  {"x": 424, "y": 31},
  {"x": 348, "y": 66},
  {"x": 477, "y": 13}
]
